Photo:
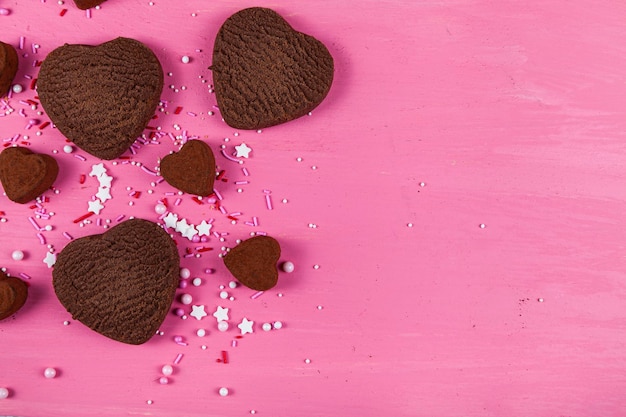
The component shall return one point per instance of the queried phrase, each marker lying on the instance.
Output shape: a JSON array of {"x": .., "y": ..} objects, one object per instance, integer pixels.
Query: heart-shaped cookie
[
  {"x": 87, "y": 4},
  {"x": 101, "y": 97},
  {"x": 13, "y": 294},
  {"x": 8, "y": 67},
  {"x": 192, "y": 169},
  {"x": 26, "y": 175},
  {"x": 253, "y": 262},
  {"x": 120, "y": 283},
  {"x": 265, "y": 72}
]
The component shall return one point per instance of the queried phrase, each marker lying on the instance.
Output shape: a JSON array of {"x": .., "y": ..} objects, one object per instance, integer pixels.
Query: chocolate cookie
[
  {"x": 87, "y": 4},
  {"x": 266, "y": 73},
  {"x": 253, "y": 262},
  {"x": 192, "y": 169},
  {"x": 101, "y": 97},
  {"x": 8, "y": 67},
  {"x": 26, "y": 175},
  {"x": 13, "y": 294},
  {"x": 120, "y": 283}
]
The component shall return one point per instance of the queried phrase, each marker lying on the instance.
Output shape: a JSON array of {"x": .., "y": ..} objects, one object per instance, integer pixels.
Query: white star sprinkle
[
  {"x": 105, "y": 180},
  {"x": 221, "y": 314},
  {"x": 170, "y": 220},
  {"x": 104, "y": 194},
  {"x": 97, "y": 170},
  {"x": 204, "y": 228},
  {"x": 95, "y": 206},
  {"x": 182, "y": 226},
  {"x": 190, "y": 232},
  {"x": 245, "y": 326},
  {"x": 243, "y": 150},
  {"x": 198, "y": 312},
  {"x": 50, "y": 259}
]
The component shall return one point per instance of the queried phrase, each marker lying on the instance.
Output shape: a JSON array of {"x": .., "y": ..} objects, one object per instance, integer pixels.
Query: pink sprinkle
[
  {"x": 209, "y": 271},
  {"x": 34, "y": 48},
  {"x": 237, "y": 213},
  {"x": 266, "y": 191},
  {"x": 257, "y": 294},
  {"x": 242, "y": 182},
  {"x": 218, "y": 195},
  {"x": 268, "y": 202},
  {"x": 42, "y": 239},
  {"x": 248, "y": 223},
  {"x": 4, "y": 12},
  {"x": 178, "y": 201},
  {"x": 245, "y": 171},
  {"x": 148, "y": 171},
  {"x": 191, "y": 114},
  {"x": 22, "y": 39},
  {"x": 119, "y": 218},
  {"x": 34, "y": 223},
  {"x": 178, "y": 358},
  {"x": 21, "y": 113},
  {"x": 223, "y": 210},
  {"x": 230, "y": 158},
  {"x": 255, "y": 220},
  {"x": 168, "y": 193},
  {"x": 80, "y": 157},
  {"x": 88, "y": 13},
  {"x": 25, "y": 276},
  {"x": 99, "y": 221},
  {"x": 67, "y": 236},
  {"x": 234, "y": 343},
  {"x": 29, "y": 77}
]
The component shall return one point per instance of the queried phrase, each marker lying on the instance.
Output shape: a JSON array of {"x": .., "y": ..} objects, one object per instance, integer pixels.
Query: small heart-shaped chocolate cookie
[
  {"x": 266, "y": 73},
  {"x": 87, "y": 4},
  {"x": 253, "y": 262},
  {"x": 101, "y": 97},
  {"x": 8, "y": 66},
  {"x": 120, "y": 283},
  {"x": 13, "y": 294},
  {"x": 192, "y": 169},
  {"x": 26, "y": 175}
]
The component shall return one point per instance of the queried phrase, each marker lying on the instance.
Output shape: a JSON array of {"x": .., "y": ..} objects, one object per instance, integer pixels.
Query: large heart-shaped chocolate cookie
[
  {"x": 13, "y": 294},
  {"x": 253, "y": 262},
  {"x": 266, "y": 73},
  {"x": 87, "y": 4},
  {"x": 192, "y": 169},
  {"x": 8, "y": 66},
  {"x": 26, "y": 175},
  {"x": 120, "y": 283},
  {"x": 101, "y": 97}
]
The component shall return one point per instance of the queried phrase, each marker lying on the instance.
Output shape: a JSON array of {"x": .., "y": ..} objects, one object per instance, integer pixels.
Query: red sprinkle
[
  {"x": 44, "y": 125},
  {"x": 34, "y": 206},
  {"x": 221, "y": 174},
  {"x": 136, "y": 194},
  {"x": 32, "y": 102},
  {"x": 225, "y": 356},
  {"x": 82, "y": 178},
  {"x": 33, "y": 83},
  {"x": 63, "y": 12},
  {"x": 233, "y": 218},
  {"x": 197, "y": 200},
  {"x": 204, "y": 249},
  {"x": 178, "y": 110},
  {"x": 83, "y": 217}
]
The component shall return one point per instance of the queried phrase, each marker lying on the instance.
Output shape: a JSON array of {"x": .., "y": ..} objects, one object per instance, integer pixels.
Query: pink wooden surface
[{"x": 510, "y": 113}]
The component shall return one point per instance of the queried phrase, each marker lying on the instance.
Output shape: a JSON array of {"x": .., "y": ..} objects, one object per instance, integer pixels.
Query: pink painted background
[{"x": 444, "y": 115}]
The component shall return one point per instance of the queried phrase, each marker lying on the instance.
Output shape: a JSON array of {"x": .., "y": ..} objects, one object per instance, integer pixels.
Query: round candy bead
[
  {"x": 223, "y": 295},
  {"x": 288, "y": 267},
  {"x": 68, "y": 149},
  {"x": 222, "y": 326},
  {"x": 201, "y": 332},
  {"x": 163, "y": 380},
  {"x": 185, "y": 273},
  {"x": 223, "y": 391},
  {"x": 186, "y": 299},
  {"x": 278, "y": 325},
  {"x": 185, "y": 59},
  {"x": 267, "y": 327},
  {"x": 50, "y": 373},
  {"x": 167, "y": 370},
  {"x": 232, "y": 284},
  {"x": 4, "y": 393},
  {"x": 17, "y": 88},
  {"x": 196, "y": 282},
  {"x": 17, "y": 255},
  {"x": 160, "y": 208}
]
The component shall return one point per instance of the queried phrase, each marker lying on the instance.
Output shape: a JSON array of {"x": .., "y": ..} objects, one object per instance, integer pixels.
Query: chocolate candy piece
[
  {"x": 101, "y": 97},
  {"x": 265, "y": 72},
  {"x": 13, "y": 294},
  {"x": 8, "y": 67},
  {"x": 192, "y": 169},
  {"x": 120, "y": 283},
  {"x": 26, "y": 175},
  {"x": 253, "y": 262}
]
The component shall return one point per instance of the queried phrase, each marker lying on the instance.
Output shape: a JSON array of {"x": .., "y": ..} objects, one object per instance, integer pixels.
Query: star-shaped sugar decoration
[
  {"x": 105, "y": 180},
  {"x": 190, "y": 232},
  {"x": 243, "y": 150},
  {"x": 198, "y": 312},
  {"x": 103, "y": 194},
  {"x": 204, "y": 228},
  {"x": 50, "y": 259},
  {"x": 97, "y": 170},
  {"x": 170, "y": 220},
  {"x": 182, "y": 226},
  {"x": 246, "y": 326},
  {"x": 221, "y": 314},
  {"x": 95, "y": 206}
]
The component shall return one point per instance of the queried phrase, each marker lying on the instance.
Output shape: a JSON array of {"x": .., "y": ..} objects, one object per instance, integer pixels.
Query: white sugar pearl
[
  {"x": 68, "y": 149},
  {"x": 185, "y": 59},
  {"x": 222, "y": 326},
  {"x": 167, "y": 370},
  {"x": 223, "y": 295},
  {"x": 288, "y": 267},
  {"x": 223, "y": 391},
  {"x": 196, "y": 282},
  {"x": 160, "y": 208},
  {"x": 201, "y": 332},
  {"x": 17, "y": 255},
  {"x": 17, "y": 88},
  {"x": 186, "y": 299},
  {"x": 185, "y": 273},
  {"x": 278, "y": 325},
  {"x": 267, "y": 327},
  {"x": 4, "y": 393},
  {"x": 50, "y": 373},
  {"x": 232, "y": 284}
]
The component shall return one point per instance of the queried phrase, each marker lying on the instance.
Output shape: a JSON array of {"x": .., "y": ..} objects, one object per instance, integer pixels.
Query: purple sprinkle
[
  {"x": 34, "y": 223},
  {"x": 245, "y": 171},
  {"x": 147, "y": 170},
  {"x": 218, "y": 195},
  {"x": 67, "y": 236},
  {"x": 257, "y": 294},
  {"x": 178, "y": 358},
  {"x": 82, "y": 158},
  {"x": 119, "y": 218},
  {"x": 42, "y": 239},
  {"x": 25, "y": 276}
]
